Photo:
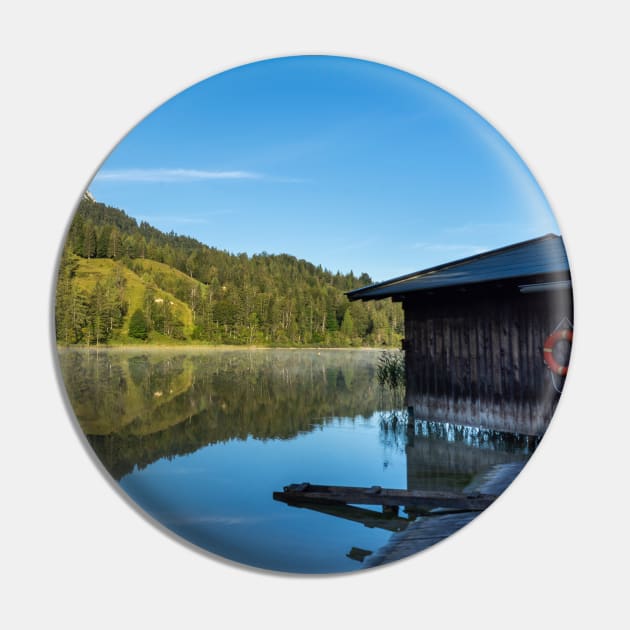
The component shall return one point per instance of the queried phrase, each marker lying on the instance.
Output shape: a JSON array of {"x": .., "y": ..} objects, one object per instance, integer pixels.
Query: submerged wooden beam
[
  {"x": 358, "y": 554},
  {"x": 370, "y": 518},
  {"x": 421, "y": 500}
]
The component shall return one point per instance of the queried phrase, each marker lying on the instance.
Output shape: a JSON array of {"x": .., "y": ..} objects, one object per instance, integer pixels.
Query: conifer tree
[
  {"x": 113, "y": 244},
  {"x": 138, "y": 328},
  {"x": 89, "y": 241},
  {"x": 347, "y": 325},
  {"x": 102, "y": 241}
]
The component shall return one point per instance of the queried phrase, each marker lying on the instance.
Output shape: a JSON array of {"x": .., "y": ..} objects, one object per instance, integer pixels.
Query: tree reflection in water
[{"x": 136, "y": 407}]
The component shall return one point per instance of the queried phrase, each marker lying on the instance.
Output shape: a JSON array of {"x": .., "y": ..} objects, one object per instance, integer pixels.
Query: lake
[{"x": 201, "y": 438}]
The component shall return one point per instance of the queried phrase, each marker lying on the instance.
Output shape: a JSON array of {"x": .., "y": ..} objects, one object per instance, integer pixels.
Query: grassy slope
[
  {"x": 89, "y": 271},
  {"x": 165, "y": 277}
]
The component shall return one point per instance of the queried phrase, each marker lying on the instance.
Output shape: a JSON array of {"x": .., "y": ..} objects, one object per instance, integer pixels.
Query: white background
[{"x": 551, "y": 76}]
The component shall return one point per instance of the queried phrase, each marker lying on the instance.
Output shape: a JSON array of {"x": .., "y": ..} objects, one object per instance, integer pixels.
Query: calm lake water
[{"x": 200, "y": 439}]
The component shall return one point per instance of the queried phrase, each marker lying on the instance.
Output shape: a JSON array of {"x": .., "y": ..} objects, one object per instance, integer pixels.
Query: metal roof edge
[{"x": 355, "y": 293}]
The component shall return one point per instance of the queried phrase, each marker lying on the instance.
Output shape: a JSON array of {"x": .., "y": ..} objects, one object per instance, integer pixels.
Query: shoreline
[{"x": 224, "y": 347}]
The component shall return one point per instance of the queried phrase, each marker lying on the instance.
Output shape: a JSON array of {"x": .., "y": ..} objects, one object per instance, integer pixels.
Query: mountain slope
[{"x": 180, "y": 290}]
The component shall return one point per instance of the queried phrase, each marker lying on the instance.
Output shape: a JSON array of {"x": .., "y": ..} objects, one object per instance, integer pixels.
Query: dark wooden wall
[{"x": 476, "y": 358}]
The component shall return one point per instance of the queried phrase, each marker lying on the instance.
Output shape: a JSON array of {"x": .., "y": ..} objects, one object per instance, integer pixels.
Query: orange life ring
[{"x": 550, "y": 342}]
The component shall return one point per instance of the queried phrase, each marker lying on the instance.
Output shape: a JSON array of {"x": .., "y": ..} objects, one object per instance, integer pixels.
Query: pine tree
[
  {"x": 63, "y": 300},
  {"x": 347, "y": 325},
  {"x": 89, "y": 241},
  {"x": 331, "y": 321},
  {"x": 98, "y": 314},
  {"x": 113, "y": 244},
  {"x": 102, "y": 241},
  {"x": 138, "y": 328}
]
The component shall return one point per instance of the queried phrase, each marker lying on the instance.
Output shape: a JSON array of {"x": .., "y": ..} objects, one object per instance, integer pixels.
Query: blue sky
[{"x": 345, "y": 163}]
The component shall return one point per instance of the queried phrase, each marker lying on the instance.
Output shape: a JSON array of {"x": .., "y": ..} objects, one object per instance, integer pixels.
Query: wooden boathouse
[{"x": 488, "y": 337}]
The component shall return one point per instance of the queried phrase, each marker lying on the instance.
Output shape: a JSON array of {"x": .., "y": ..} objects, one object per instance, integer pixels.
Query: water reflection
[
  {"x": 136, "y": 408},
  {"x": 201, "y": 440}
]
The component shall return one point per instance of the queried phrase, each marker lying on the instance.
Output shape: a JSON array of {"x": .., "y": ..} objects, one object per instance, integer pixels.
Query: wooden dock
[
  {"x": 429, "y": 530},
  {"x": 431, "y": 515},
  {"x": 415, "y": 501}
]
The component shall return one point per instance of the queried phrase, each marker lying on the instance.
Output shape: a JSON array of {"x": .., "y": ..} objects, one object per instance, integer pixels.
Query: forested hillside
[{"x": 124, "y": 282}]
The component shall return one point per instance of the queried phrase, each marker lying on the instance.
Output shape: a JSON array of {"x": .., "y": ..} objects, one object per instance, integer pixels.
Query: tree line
[{"x": 220, "y": 297}]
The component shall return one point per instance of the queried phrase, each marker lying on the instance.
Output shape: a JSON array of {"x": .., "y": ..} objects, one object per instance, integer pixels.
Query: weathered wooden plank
[
  {"x": 432, "y": 369},
  {"x": 465, "y": 348},
  {"x": 473, "y": 345},
  {"x": 441, "y": 383},
  {"x": 421, "y": 499},
  {"x": 358, "y": 554},
  {"x": 484, "y": 363},
  {"x": 506, "y": 353},
  {"x": 449, "y": 384},
  {"x": 516, "y": 358},
  {"x": 496, "y": 358}
]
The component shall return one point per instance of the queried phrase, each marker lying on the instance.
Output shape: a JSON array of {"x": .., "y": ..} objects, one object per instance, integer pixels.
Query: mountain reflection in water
[
  {"x": 201, "y": 439},
  {"x": 137, "y": 408}
]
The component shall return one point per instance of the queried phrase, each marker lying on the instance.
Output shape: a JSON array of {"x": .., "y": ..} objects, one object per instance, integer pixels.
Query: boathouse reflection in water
[{"x": 452, "y": 461}]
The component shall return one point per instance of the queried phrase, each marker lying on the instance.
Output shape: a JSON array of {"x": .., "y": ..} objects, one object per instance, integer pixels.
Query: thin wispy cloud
[{"x": 171, "y": 175}]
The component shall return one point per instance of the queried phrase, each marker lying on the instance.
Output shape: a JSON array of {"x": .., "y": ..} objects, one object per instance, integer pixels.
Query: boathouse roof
[{"x": 540, "y": 262}]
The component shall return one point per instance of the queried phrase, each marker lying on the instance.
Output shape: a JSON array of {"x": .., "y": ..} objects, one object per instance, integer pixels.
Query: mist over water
[{"x": 200, "y": 439}]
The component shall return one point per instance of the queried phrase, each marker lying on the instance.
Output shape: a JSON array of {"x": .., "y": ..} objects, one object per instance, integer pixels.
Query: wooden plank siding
[{"x": 476, "y": 358}]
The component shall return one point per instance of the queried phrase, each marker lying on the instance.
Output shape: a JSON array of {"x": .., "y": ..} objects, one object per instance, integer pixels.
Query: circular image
[{"x": 313, "y": 314}]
